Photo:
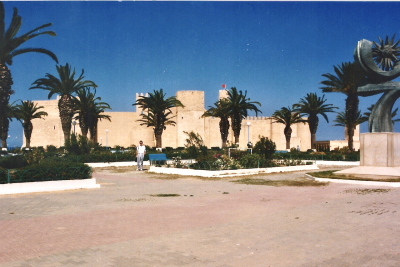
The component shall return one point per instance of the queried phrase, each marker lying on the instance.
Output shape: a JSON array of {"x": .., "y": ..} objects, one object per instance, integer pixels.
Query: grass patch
[
  {"x": 331, "y": 175},
  {"x": 131, "y": 200},
  {"x": 114, "y": 169},
  {"x": 303, "y": 182},
  {"x": 367, "y": 191},
  {"x": 166, "y": 195}
]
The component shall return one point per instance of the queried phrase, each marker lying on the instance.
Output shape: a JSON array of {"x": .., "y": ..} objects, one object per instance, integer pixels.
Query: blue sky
[{"x": 277, "y": 51}]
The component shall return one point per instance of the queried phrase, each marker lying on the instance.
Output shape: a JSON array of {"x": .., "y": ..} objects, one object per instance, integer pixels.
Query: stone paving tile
[{"x": 120, "y": 224}]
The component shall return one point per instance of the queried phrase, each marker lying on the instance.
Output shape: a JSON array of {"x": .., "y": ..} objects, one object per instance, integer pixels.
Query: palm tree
[
  {"x": 287, "y": 117},
  {"x": 8, "y": 115},
  {"x": 83, "y": 104},
  {"x": 238, "y": 106},
  {"x": 342, "y": 121},
  {"x": 347, "y": 79},
  {"x": 394, "y": 113},
  {"x": 220, "y": 110},
  {"x": 9, "y": 48},
  {"x": 312, "y": 106},
  {"x": 159, "y": 113},
  {"x": 66, "y": 86},
  {"x": 95, "y": 115},
  {"x": 26, "y": 112}
]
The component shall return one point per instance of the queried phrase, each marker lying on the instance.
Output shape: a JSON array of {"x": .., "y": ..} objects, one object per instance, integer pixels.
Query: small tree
[
  {"x": 195, "y": 145},
  {"x": 265, "y": 146}
]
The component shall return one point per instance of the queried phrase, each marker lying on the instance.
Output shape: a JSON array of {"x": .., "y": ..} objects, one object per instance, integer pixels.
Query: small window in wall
[
  {"x": 182, "y": 117},
  {"x": 54, "y": 127}
]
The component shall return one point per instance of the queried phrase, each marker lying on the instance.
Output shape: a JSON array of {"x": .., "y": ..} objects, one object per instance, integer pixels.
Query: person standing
[{"x": 140, "y": 152}]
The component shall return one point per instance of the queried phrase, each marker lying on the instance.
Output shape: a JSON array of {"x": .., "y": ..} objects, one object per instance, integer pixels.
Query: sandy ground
[{"x": 212, "y": 223}]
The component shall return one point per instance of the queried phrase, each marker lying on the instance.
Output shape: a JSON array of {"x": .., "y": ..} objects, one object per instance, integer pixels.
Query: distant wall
[{"x": 125, "y": 130}]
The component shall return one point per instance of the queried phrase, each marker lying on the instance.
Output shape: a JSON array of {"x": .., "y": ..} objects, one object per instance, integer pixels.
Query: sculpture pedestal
[{"x": 379, "y": 157}]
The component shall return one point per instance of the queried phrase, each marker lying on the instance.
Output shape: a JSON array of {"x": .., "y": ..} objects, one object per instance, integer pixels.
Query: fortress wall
[
  {"x": 212, "y": 135},
  {"x": 124, "y": 130},
  {"x": 47, "y": 131},
  {"x": 259, "y": 126},
  {"x": 189, "y": 118}
]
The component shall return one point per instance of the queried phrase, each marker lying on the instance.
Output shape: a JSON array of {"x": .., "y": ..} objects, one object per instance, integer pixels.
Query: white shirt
[{"x": 141, "y": 149}]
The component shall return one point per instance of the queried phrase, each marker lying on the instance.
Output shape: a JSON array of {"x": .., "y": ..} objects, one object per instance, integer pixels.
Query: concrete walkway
[{"x": 211, "y": 223}]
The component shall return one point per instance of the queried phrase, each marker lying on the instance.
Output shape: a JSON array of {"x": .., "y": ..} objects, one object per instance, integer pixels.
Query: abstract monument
[
  {"x": 380, "y": 148},
  {"x": 381, "y": 65}
]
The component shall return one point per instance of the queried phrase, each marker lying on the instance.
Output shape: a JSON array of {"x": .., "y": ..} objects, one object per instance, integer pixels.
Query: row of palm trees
[{"x": 76, "y": 98}]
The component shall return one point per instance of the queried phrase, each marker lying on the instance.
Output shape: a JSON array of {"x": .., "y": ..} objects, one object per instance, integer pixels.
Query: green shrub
[
  {"x": 51, "y": 172},
  {"x": 3, "y": 176},
  {"x": 13, "y": 162},
  {"x": 265, "y": 147},
  {"x": 34, "y": 156},
  {"x": 51, "y": 149},
  {"x": 78, "y": 145}
]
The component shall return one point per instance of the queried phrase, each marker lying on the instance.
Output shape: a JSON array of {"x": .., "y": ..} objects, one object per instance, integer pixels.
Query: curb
[
  {"x": 34, "y": 187},
  {"x": 356, "y": 182}
]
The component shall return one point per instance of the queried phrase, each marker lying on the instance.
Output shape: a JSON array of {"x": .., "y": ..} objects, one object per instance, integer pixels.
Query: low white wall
[
  {"x": 342, "y": 181},
  {"x": 115, "y": 164},
  {"x": 229, "y": 173},
  {"x": 337, "y": 163},
  {"x": 31, "y": 187}
]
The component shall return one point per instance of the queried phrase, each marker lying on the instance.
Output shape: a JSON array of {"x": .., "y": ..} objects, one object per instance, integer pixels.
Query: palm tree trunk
[
  {"x": 350, "y": 133},
  {"x": 28, "y": 127},
  {"x": 83, "y": 126},
  {"x": 5, "y": 90},
  {"x": 158, "y": 134},
  {"x": 313, "y": 126},
  {"x": 224, "y": 130},
  {"x": 288, "y": 135},
  {"x": 93, "y": 132},
  {"x": 66, "y": 112},
  {"x": 4, "y": 132},
  {"x": 236, "y": 127},
  {"x": 351, "y": 116}
]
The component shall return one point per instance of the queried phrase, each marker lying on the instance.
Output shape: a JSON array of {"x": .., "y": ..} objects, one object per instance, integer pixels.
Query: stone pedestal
[{"x": 379, "y": 157}]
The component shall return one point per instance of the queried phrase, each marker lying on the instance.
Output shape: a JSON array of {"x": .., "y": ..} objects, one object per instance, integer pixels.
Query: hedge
[{"x": 47, "y": 172}]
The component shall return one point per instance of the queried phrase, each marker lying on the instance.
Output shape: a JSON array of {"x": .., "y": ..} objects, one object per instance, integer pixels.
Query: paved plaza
[{"x": 211, "y": 223}]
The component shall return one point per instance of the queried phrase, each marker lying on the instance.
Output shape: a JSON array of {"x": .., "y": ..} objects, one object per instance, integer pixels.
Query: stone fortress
[{"x": 124, "y": 129}]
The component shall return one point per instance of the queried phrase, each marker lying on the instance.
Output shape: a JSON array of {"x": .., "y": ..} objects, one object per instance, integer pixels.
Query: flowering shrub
[
  {"x": 226, "y": 163},
  {"x": 178, "y": 163}
]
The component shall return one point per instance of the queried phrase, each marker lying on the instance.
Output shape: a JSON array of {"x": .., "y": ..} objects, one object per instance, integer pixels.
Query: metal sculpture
[{"x": 381, "y": 65}]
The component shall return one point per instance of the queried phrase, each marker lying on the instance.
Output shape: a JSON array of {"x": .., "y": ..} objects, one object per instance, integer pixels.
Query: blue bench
[{"x": 154, "y": 158}]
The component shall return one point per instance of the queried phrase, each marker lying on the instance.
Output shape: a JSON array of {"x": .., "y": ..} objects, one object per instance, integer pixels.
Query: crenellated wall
[{"x": 125, "y": 130}]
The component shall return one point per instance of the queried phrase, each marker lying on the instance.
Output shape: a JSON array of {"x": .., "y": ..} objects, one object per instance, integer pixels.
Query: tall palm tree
[
  {"x": 347, "y": 79},
  {"x": 159, "y": 113},
  {"x": 8, "y": 115},
  {"x": 9, "y": 48},
  {"x": 66, "y": 86},
  {"x": 312, "y": 106},
  {"x": 95, "y": 115},
  {"x": 287, "y": 117},
  {"x": 393, "y": 114},
  {"x": 238, "y": 106},
  {"x": 26, "y": 112},
  {"x": 220, "y": 110}
]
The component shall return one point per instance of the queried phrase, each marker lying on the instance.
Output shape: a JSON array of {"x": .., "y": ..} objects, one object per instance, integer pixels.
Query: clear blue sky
[{"x": 277, "y": 51}]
